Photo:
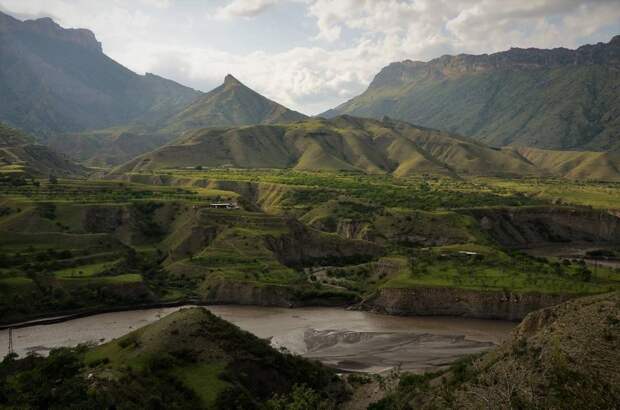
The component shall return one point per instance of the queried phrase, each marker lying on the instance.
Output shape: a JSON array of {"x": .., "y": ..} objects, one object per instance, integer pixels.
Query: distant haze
[{"x": 312, "y": 55}]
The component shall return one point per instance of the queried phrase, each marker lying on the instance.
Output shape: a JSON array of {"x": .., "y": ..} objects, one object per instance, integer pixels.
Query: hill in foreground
[
  {"x": 231, "y": 104},
  {"x": 362, "y": 145},
  {"x": 21, "y": 156},
  {"x": 551, "y": 99},
  {"x": 562, "y": 357},
  {"x": 188, "y": 359}
]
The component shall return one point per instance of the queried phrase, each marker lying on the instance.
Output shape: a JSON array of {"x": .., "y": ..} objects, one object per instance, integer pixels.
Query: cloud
[{"x": 244, "y": 8}]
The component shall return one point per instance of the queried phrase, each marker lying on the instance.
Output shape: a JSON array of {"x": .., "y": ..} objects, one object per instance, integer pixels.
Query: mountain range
[
  {"x": 552, "y": 99},
  {"x": 366, "y": 145},
  {"x": 55, "y": 80},
  {"x": 230, "y": 104},
  {"x": 558, "y": 111}
]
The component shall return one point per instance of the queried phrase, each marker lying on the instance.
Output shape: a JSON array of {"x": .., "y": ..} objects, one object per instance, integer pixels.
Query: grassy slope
[
  {"x": 209, "y": 356},
  {"x": 553, "y": 107},
  {"x": 583, "y": 165},
  {"x": 20, "y": 156},
  {"x": 231, "y": 104},
  {"x": 597, "y": 195},
  {"x": 363, "y": 145},
  {"x": 188, "y": 359},
  {"x": 496, "y": 271}
]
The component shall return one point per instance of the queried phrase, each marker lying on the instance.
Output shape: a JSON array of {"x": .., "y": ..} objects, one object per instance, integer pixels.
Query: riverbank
[
  {"x": 59, "y": 317},
  {"x": 437, "y": 301},
  {"x": 343, "y": 339},
  {"x": 391, "y": 301}
]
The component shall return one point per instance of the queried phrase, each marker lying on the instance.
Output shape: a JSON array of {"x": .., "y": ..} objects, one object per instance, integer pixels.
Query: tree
[{"x": 300, "y": 398}]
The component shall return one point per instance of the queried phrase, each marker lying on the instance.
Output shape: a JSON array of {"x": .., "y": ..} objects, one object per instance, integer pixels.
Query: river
[{"x": 348, "y": 340}]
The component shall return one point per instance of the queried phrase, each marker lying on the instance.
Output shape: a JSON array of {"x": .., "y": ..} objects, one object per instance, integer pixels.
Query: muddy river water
[{"x": 348, "y": 340}]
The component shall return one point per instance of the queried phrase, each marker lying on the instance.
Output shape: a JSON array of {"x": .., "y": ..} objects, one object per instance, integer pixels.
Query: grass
[
  {"x": 203, "y": 379},
  {"x": 595, "y": 194},
  {"x": 17, "y": 285},
  {"x": 101, "y": 192},
  {"x": 315, "y": 187},
  {"x": 128, "y": 278},
  {"x": 84, "y": 271},
  {"x": 141, "y": 347},
  {"x": 499, "y": 272}
]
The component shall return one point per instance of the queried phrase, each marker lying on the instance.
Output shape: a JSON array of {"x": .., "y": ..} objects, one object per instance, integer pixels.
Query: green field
[
  {"x": 604, "y": 195},
  {"x": 502, "y": 273}
]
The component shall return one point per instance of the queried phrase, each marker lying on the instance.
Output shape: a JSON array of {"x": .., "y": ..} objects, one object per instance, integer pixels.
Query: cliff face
[
  {"x": 459, "y": 302},
  {"x": 449, "y": 66},
  {"x": 49, "y": 28},
  {"x": 519, "y": 227},
  {"x": 246, "y": 293},
  {"x": 304, "y": 246},
  {"x": 552, "y": 99},
  {"x": 239, "y": 293}
]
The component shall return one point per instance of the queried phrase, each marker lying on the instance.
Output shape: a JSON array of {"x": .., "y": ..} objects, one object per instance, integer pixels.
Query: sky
[{"x": 312, "y": 55}]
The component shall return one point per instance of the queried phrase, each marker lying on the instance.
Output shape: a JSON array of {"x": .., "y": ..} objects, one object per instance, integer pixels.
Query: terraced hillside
[
  {"x": 189, "y": 359},
  {"x": 88, "y": 245},
  {"x": 445, "y": 238},
  {"x": 552, "y": 99},
  {"x": 292, "y": 238},
  {"x": 21, "y": 157}
]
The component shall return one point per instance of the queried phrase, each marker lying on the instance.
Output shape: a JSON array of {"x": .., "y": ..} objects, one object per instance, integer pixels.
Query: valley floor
[{"x": 294, "y": 238}]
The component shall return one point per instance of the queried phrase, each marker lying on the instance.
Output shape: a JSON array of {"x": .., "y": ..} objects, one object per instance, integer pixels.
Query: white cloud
[{"x": 244, "y": 8}]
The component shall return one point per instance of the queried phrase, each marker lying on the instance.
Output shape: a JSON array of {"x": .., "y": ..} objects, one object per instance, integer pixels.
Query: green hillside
[
  {"x": 231, "y": 104},
  {"x": 188, "y": 359},
  {"x": 364, "y": 145},
  {"x": 552, "y": 99},
  {"x": 107, "y": 147},
  {"x": 20, "y": 157}
]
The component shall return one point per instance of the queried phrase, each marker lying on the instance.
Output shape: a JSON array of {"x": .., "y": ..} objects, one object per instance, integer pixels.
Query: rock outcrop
[
  {"x": 427, "y": 301},
  {"x": 305, "y": 246},
  {"x": 532, "y": 226}
]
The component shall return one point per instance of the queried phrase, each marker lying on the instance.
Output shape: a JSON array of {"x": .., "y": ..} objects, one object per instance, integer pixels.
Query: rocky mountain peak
[
  {"x": 229, "y": 80},
  {"x": 48, "y": 27}
]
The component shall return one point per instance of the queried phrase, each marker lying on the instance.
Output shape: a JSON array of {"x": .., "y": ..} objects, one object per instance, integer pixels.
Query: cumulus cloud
[
  {"x": 244, "y": 8},
  {"x": 348, "y": 41}
]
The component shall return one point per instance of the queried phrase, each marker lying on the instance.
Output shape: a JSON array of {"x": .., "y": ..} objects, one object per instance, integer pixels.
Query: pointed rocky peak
[
  {"x": 230, "y": 81},
  {"x": 615, "y": 40}
]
